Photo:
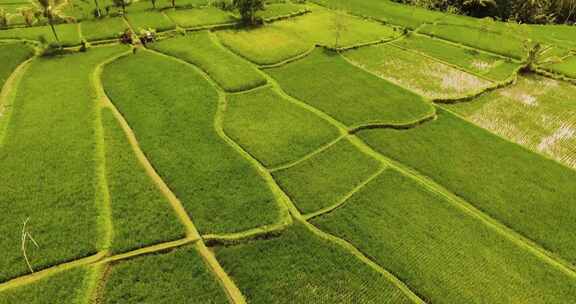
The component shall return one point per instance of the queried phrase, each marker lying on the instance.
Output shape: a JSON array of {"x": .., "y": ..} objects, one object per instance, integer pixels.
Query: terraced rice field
[{"x": 402, "y": 158}]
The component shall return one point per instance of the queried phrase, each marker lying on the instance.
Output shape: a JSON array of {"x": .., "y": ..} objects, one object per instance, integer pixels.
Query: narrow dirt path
[{"x": 8, "y": 94}]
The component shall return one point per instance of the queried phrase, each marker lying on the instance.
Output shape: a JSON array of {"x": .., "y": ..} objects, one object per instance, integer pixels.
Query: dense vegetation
[{"x": 541, "y": 11}]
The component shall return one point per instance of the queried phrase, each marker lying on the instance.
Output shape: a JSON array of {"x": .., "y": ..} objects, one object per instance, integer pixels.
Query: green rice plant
[
  {"x": 276, "y": 10},
  {"x": 560, "y": 35},
  {"x": 441, "y": 252},
  {"x": 516, "y": 185},
  {"x": 349, "y": 94},
  {"x": 62, "y": 287},
  {"x": 272, "y": 129},
  {"x": 179, "y": 276},
  {"x": 285, "y": 39},
  {"x": 11, "y": 56},
  {"x": 68, "y": 34},
  {"x": 141, "y": 215},
  {"x": 326, "y": 178},
  {"x": 171, "y": 108},
  {"x": 204, "y": 17},
  {"x": 480, "y": 63},
  {"x": 150, "y": 19},
  {"x": 230, "y": 72},
  {"x": 265, "y": 45},
  {"x": 566, "y": 67},
  {"x": 478, "y": 37},
  {"x": 47, "y": 164},
  {"x": 536, "y": 112},
  {"x": 387, "y": 11},
  {"x": 420, "y": 74},
  {"x": 300, "y": 267},
  {"x": 102, "y": 29}
]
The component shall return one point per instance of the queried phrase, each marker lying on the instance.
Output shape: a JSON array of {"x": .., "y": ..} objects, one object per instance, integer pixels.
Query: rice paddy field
[{"x": 343, "y": 151}]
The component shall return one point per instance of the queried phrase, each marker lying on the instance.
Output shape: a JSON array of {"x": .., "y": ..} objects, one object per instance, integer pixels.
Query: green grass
[
  {"x": 179, "y": 276},
  {"x": 285, "y": 39},
  {"x": 193, "y": 18},
  {"x": 420, "y": 74},
  {"x": 107, "y": 28},
  {"x": 11, "y": 56},
  {"x": 150, "y": 20},
  {"x": 299, "y": 267},
  {"x": 272, "y": 129},
  {"x": 326, "y": 178},
  {"x": 327, "y": 82},
  {"x": 443, "y": 254},
  {"x": 528, "y": 193},
  {"x": 64, "y": 287},
  {"x": 537, "y": 112},
  {"x": 230, "y": 72},
  {"x": 171, "y": 108},
  {"x": 566, "y": 67},
  {"x": 508, "y": 44},
  {"x": 68, "y": 34},
  {"x": 141, "y": 215},
  {"x": 479, "y": 63},
  {"x": 47, "y": 164}
]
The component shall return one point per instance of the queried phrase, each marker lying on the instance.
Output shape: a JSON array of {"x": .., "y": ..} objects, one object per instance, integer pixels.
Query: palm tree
[
  {"x": 98, "y": 12},
  {"x": 538, "y": 55},
  {"x": 49, "y": 10}
]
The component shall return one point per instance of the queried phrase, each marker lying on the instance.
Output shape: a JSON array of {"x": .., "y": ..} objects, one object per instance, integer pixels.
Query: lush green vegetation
[
  {"x": 567, "y": 67},
  {"x": 179, "y": 276},
  {"x": 47, "y": 164},
  {"x": 512, "y": 192},
  {"x": 298, "y": 140},
  {"x": 11, "y": 56},
  {"x": 272, "y": 129},
  {"x": 141, "y": 216},
  {"x": 481, "y": 38},
  {"x": 385, "y": 10},
  {"x": 326, "y": 81},
  {"x": 68, "y": 33},
  {"x": 200, "y": 17},
  {"x": 64, "y": 287},
  {"x": 418, "y": 73},
  {"x": 326, "y": 178},
  {"x": 480, "y": 63},
  {"x": 230, "y": 72},
  {"x": 285, "y": 39},
  {"x": 277, "y": 10},
  {"x": 161, "y": 100},
  {"x": 439, "y": 251},
  {"x": 150, "y": 20},
  {"x": 543, "y": 11},
  {"x": 299, "y": 267},
  {"x": 107, "y": 28},
  {"x": 537, "y": 112}
]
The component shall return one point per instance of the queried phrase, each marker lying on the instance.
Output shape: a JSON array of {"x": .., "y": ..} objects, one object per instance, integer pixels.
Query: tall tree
[
  {"x": 49, "y": 9},
  {"x": 248, "y": 9},
  {"x": 3, "y": 18},
  {"x": 97, "y": 11},
  {"x": 122, "y": 4}
]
